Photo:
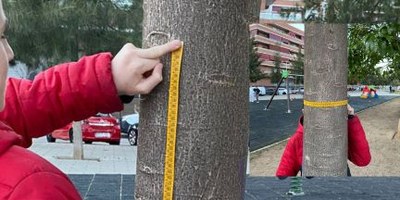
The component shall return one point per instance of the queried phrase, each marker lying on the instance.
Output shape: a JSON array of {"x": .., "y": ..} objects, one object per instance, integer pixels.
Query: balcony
[
  {"x": 264, "y": 40},
  {"x": 273, "y": 53},
  {"x": 267, "y": 29},
  {"x": 270, "y": 63}
]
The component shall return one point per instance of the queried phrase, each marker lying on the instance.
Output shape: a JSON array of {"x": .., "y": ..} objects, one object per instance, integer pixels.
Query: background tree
[
  {"x": 370, "y": 44},
  {"x": 211, "y": 154},
  {"x": 325, "y": 151},
  {"x": 276, "y": 71},
  {"x": 325, "y": 80},
  {"x": 350, "y": 11},
  {"x": 48, "y": 32},
  {"x": 298, "y": 67},
  {"x": 254, "y": 64}
]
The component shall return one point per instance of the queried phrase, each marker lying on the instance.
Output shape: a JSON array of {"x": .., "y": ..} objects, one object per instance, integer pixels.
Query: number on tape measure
[{"x": 172, "y": 122}]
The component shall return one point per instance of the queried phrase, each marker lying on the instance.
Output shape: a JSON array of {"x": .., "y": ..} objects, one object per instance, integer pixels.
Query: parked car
[
  {"x": 301, "y": 90},
  {"x": 282, "y": 91},
  {"x": 129, "y": 127},
  {"x": 99, "y": 128},
  {"x": 270, "y": 91},
  {"x": 64, "y": 133},
  {"x": 294, "y": 90},
  {"x": 262, "y": 90}
]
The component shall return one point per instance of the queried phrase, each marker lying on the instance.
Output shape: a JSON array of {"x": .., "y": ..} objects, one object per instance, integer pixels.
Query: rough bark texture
[
  {"x": 212, "y": 138},
  {"x": 325, "y": 71},
  {"x": 254, "y": 11}
]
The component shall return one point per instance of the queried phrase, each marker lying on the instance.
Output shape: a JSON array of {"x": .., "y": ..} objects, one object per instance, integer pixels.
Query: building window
[{"x": 276, "y": 9}]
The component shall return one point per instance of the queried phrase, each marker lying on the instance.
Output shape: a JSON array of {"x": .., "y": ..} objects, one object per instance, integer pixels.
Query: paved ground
[
  {"x": 110, "y": 187},
  {"x": 107, "y": 172},
  {"x": 275, "y": 124},
  {"x": 99, "y": 158}
]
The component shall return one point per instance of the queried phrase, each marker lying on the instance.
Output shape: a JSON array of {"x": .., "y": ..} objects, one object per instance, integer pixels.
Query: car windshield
[
  {"x": 131, "y": 119},
  {"x": 102, "y": 115}
]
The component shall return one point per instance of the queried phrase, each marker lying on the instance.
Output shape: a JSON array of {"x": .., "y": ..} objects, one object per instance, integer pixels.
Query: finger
[
  {"x": 158, "y": 51},
  {"x": 153, "y": 80},
  {"x": 148, "y": 64}
]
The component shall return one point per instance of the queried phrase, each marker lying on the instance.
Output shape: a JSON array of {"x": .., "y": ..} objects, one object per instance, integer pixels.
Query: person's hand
[
  {"x": 138, "y": 71},
  {"x": 350, "y": 110}
]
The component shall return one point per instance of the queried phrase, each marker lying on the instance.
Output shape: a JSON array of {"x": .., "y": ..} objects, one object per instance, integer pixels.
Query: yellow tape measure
[
  {"x": 172, "y": 122},
  {"x": 325, "y": 104}
]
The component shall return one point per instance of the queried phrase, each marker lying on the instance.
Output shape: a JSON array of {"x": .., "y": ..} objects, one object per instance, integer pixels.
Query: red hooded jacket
[
  {"x": 292, "y": 158},
  {"x": 61, "y": 94}
]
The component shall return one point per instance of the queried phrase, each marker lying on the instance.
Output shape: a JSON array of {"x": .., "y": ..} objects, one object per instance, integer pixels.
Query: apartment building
[{"x": 275, "y": 36}]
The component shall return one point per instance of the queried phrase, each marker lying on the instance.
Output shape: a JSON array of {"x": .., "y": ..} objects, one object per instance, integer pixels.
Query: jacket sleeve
[
  {"x": 44, "y": 185},
  {"x": 358, "y": 152},
  {"x": 288, "y": 166},
  {"x": 59, "y": 95}
]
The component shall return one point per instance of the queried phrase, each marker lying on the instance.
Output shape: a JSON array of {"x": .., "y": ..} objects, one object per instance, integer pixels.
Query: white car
[
  {"x": 262, "y": 90},
  {"x": 282, "y": 91},
  {"x": 301, "y": 90},
  {"x": 129, "y": 126}
]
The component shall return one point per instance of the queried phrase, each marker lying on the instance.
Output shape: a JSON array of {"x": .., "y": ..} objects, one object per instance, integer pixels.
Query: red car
[{"x": 99, "y": 128}]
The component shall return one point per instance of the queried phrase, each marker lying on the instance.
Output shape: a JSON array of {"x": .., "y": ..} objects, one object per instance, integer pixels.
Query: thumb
[{"x": 153, "y": 79}]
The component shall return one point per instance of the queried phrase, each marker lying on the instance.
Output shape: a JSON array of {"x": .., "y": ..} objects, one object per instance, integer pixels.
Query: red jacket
[
  {"x": 67, "y": 92},
  {"x": 292, "y": 158}
]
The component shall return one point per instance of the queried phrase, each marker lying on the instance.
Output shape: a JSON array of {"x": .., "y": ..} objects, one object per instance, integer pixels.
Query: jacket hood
[{"x": 8, "y": 138}]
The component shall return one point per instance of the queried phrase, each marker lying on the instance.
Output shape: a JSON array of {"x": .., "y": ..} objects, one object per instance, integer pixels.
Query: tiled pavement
[
  {"x": 99, "y": 158},
  {"x": 121, "y": 187}
]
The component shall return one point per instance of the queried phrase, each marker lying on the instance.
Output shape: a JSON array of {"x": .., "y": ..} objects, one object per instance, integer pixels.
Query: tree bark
[
  {"x": 325, "y": 79},
  {"x": 212, "y": 135},
  {"x": 254, "y": 11}
]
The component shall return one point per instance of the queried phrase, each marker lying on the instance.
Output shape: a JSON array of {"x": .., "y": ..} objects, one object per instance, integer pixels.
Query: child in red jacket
[
  {"x": 64, "y": 93},
  {"x": 358, "y": 148}
]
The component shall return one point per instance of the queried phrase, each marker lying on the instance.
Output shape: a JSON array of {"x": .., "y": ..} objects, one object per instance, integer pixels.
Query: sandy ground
[{"x": 380, "y": 124}]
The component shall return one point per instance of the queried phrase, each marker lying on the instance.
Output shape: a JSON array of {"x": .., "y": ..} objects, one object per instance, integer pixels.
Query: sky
[{"x": 299, "y": 26}]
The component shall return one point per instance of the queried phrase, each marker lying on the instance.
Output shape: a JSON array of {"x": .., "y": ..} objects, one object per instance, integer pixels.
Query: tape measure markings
[{"x": 172, "y": 122}]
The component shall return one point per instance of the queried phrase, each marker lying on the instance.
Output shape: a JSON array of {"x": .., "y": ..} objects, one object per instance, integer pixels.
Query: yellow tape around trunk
[{"x": 325, "y": 104}]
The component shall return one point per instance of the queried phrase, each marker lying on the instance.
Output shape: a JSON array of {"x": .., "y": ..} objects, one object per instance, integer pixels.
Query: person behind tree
[
  {"x": 63, "y": 93},
  {"x": 373, "y": 92},
  {"x": 358, "y": 148},
  {"x": 256, "y": 93},
  {"x": 365, "y": 92}
]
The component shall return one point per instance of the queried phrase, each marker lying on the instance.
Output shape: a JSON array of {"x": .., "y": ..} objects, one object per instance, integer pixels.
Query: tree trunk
[
  {"x": 325, "y": 71},
  {"x": 254, "y": 11},
  {"x": 212, "y": 132}
]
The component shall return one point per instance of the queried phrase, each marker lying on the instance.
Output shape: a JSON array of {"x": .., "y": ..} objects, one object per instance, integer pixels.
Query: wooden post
[
  {"x": 78, "y": 146},
  {"x": 396, "y": 134},
  {"x": 398, "y": 127}
]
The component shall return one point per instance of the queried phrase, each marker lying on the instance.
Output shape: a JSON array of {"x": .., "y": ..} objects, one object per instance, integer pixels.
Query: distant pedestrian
[
  {"x": 358, "y": 148},
  {"x": 390, "y": 89},
  {"x": 256, "y": 93}
]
